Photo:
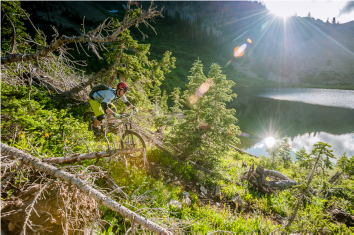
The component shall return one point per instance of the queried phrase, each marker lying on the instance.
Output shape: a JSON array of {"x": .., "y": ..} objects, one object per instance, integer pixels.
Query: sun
[
  {"x": 280, "y": 9},
  {"x": 270, "y": 141}
]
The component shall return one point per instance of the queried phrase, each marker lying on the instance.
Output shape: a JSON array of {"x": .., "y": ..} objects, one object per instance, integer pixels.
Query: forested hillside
[
  {"x": 172, "y": 165},
  {"x": 211, "y": 31}
]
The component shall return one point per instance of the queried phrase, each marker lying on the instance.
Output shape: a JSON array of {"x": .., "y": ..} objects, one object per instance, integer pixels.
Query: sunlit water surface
[
  {"x": 305, "y": 115},
  {"x": 326, "y": 97}
]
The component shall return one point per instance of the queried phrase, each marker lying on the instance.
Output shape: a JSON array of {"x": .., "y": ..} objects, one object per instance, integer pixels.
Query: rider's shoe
[{"x": 96, "y": 131}]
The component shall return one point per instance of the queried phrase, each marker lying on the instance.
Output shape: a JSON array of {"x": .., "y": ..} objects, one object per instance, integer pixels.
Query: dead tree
[
  {"x": 257, "y": 178},
  {"x": 91, "y": 37},
  {"x": 17, "y": 68},
  {"x": 83, "y": 186}
]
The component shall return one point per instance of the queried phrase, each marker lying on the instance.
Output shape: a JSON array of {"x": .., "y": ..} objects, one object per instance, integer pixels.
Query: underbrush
[{"x": 48, "y": 128}]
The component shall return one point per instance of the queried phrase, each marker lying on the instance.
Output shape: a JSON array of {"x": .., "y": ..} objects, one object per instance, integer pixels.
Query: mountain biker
[{"x": 101, "y": 103}]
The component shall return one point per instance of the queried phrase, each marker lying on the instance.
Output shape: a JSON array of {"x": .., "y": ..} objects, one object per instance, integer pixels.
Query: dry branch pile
[{"x": 67, "y": 201}]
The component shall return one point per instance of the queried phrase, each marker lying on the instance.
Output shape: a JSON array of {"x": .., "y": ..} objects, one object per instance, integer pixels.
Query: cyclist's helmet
[{"x": 123, "y": 86}]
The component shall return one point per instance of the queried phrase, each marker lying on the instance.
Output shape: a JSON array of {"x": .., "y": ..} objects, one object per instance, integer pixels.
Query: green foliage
[
  {"x": 127, "y": 58},
  {"x": 322, "y": 154},
  {"x": 284, "y": 152},
  {"x": 163, "y": 103},
  {"x": 10, "y": 10},
  {"x": 40, "y": 122},
  {"x": 176, "y": 100},
  {"x": 346, "y": 164},
  {"x": 303, "y": 158},
  {"x": 209, "y": 128}
]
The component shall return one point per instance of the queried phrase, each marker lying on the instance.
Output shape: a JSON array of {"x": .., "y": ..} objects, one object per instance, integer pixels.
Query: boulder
[
  {"x": 217, "y": 191},
  {"x": 186, "y": 201},
  {"x": 175, "y": 204},
  {"x": 185, "y": 195},
  {"x": 203, "y": 190}
]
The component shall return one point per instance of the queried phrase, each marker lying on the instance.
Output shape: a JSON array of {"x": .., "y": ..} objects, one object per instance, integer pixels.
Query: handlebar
[{"x": 123, "y": 115}]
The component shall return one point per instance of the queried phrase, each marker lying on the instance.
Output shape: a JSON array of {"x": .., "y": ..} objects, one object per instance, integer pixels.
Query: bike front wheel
[{"x": 133, "y": 142}]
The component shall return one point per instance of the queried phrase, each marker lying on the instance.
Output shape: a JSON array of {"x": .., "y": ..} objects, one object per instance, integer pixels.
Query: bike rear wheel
[
  {"x": 133, "y": 141},
  {"x": 89, "y": 117}
]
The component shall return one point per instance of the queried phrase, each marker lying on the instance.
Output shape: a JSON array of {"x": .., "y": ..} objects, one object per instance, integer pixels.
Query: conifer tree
[
  {"x": 12, "y": 28},
  {"x": 176, "y": 100},
  {"x": 163, "y": 102},
  {"x": 209, "y": 127}
]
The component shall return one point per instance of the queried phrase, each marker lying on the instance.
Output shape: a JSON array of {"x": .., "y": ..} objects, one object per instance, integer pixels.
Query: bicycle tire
[
  {"x": 131, "y": 140},
  {"x": 88, "y": 117}
]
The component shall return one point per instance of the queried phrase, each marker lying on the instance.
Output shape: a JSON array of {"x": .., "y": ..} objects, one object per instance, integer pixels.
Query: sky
[{"x": 319, "y": 9}]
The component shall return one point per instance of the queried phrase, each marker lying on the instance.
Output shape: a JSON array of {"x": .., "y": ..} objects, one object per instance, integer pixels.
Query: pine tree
[
  {"x": 176, "y": 100},
  {"x": 156, "y": 97},
  {"x": 163, "y": 103},
  {"x": 284, "y": 152},
  {"x": 209, "y": 127},
  {"x": 12, "y": 17},
  {"x": 144, "y": 75}
]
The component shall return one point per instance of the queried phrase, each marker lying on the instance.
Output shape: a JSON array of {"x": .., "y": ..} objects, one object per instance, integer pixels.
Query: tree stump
[{"x": 257, "y": 178}]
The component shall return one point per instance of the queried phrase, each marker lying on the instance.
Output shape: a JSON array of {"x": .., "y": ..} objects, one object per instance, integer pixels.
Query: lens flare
[
  {"x": 244, "y": 134},
  {"x": 210, "y": 81},
  {"x": 201, "y": 91},
  {"x": 193, "y": 99},
  {"x": 249, "y": 40},
  {"x": 265, "y": 24},
  {"x": 204, "y": 125},
  {"x": 227, "y": 64},
  {"x": 239, "y": 51}
]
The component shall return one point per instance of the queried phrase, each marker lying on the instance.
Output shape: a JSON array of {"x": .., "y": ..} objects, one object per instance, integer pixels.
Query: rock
[
  {"x": 185, "y": 195},
  {"x": 202, "y": 195},
  {"x": 217, "y": 191},
  {"x": 175, "y": 204},
  {"x": 176, "y": 178},
  {"x": 152, "y": 163},
  {"x": 237, "y": 200},
  {"x": 186, "y": 201},
  {"x": 217, "y": 204},
  {"x": 203, "y": 190}
]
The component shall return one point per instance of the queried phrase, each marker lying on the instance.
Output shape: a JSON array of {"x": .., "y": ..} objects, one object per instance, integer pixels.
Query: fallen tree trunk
[
  {"x": 87, "y": 156},
  {"x": 75, "y": 90},
  {"x": 241, "y": 151},
  {"x": 257, "y": 178},
  {"x": 84, "y": 187}
]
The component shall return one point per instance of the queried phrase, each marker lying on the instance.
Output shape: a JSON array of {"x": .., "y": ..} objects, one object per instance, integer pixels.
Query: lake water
[{"x": 305, "y": 115}]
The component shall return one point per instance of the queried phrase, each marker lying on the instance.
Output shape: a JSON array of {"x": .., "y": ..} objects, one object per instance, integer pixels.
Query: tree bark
[
  {"x": 84, "y": 187},
  {"x": 257, "y": 178},
  {"x": 86, "y": 156},
  {"x": 75, "y": 90}
]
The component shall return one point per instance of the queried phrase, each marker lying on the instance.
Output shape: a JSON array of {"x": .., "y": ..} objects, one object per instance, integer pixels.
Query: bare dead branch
[
  {"x": 88, "y": 38},
  {"x": 85, "y": 188},
  {"x": 32, "y": 205},
  {"x": 13, "y": 46},
  {"x": 43, "y": 38},
  {"x": 11, "y": 175}
]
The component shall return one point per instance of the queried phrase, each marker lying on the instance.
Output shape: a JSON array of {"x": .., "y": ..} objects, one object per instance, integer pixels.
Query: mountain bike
[{"x": 123, "y": 137}]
